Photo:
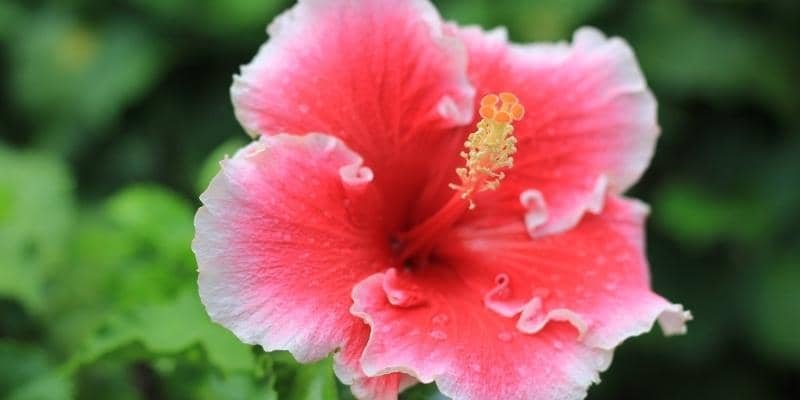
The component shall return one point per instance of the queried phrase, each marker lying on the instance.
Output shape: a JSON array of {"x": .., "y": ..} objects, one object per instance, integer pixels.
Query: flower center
[
  {"x": 491, "y": 147},
  {"x": 488, "y": 150}
]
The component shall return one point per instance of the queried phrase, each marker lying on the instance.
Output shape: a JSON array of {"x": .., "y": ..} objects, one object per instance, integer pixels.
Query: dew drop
[
  {"x": 505, "y": 336},
  {"x": 440, "y": 319},
  {"x": 438, "y": 335},
  {"x": 403, "y": 298}
]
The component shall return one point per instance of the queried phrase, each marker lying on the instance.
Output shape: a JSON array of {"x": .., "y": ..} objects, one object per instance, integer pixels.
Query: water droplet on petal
[
  {"x": 440, "y": 319},
  {"x": 438, "y": 335},
  {"x": 402, "y": 298}
]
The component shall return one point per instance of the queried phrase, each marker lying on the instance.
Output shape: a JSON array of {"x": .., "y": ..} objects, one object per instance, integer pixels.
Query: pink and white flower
[{"x": 353, "y": 225}]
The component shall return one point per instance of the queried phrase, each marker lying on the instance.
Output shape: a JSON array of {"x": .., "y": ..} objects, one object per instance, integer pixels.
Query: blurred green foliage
[{"x": 116, "y": 114}]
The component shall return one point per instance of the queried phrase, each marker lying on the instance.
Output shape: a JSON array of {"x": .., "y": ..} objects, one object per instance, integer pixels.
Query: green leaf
[
  {"x": 746, "y": 63},
  {"x": 73, "y": 78},
  {"x": 36, "y": 216},
  {"x": 237, "y": 387},
  {"x": 699, "y": 217},
  {"x": 49, "y": 387},
  {"x": 168, "y": 329},
  {"x": 774, "y": 310},
  {"x": 422, "y": 392},
  {"x": 212, "y": 17},
  {"x": 526, "y": 21},
  {"x": 134, "y": 250},
  {"x": 315, "y": 381},
  {"x": 11, "y": 18},
  {"x": 156, "y": 216},
  {"x": 20, "y": 363}
]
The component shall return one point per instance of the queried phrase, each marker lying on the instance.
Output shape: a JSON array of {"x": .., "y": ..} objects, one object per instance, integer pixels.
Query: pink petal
[
  {"x": 379, "y": 74},
  {"x": 281, "y": 239},
  {"x": 347, "y": 365},
  {"x": 590, "y": 122},
  {"x": 472, "y": 354},
  {"x": 504, "y": 316},
  {"x": 594, "y": 276}
]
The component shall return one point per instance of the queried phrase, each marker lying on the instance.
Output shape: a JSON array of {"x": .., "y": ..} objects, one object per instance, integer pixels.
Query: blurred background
[{"x": 115, "y": 113}]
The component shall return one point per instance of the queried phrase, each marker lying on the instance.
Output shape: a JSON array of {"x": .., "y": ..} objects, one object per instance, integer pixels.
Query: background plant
[{"x": 115, "y": 114}]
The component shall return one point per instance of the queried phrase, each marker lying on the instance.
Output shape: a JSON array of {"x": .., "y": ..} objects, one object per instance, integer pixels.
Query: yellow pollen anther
[
  {"x": 489, "y": 100},
  {"x": 491, "y": 147},
  {"x": 487, "y": 112},
  {"x": 508, "y": 98}
]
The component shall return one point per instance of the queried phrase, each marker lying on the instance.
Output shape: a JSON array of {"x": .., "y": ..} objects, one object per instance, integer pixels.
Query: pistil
[{"x": 488, "y": 150}]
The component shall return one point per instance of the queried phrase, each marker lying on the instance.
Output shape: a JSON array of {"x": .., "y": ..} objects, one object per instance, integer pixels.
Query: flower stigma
[{"x": 490, "y": 148}]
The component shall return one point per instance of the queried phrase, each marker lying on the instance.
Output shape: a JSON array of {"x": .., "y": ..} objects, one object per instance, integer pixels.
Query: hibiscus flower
[{"x": 432, "y": 203}]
